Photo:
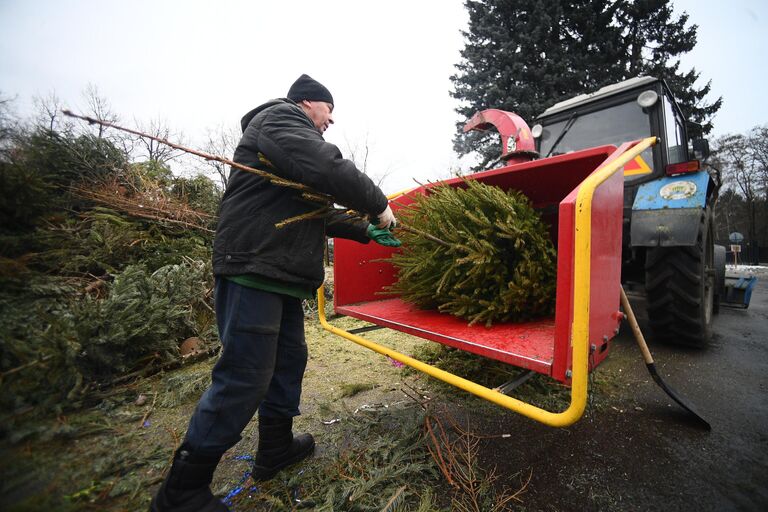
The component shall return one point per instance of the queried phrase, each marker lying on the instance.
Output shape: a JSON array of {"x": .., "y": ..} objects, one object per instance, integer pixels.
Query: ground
[
  {"x": 634, "y": 449},
  {"x": 641, "y": 452}
]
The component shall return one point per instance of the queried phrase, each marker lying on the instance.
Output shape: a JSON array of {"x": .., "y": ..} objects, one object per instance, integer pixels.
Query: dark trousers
[{"x": 261, "y": 365}]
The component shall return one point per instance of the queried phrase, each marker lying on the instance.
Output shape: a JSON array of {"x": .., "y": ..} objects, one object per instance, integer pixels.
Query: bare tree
[
  {"x": 742, "y": 161},
  {"x": 98, "y": 107},
  {"x": 48, "y": 114},
  {"x": 153, "y": 150},
  {"x": 221, "y": 141},
  {"x": 359, "y": 153},
  {"x": 8, "y": 125},
  {"x": 758, "y": 151}
]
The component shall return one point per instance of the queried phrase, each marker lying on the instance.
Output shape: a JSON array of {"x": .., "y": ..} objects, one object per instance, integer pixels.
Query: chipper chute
[{"x": 581, "y": 197}]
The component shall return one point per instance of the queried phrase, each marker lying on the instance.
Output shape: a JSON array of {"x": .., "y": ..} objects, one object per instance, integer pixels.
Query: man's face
[{"x": 321, "y": 114}]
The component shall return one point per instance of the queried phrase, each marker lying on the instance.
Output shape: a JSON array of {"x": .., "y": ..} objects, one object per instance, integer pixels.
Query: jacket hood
[{"x": 250, "y": 115}]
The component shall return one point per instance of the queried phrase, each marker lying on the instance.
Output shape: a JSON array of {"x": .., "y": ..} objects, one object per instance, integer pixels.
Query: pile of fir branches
[
  {"x": 498, "y": 263},
  {"x": 58, "y": 343},
  {"x": 104, "y": 269}
]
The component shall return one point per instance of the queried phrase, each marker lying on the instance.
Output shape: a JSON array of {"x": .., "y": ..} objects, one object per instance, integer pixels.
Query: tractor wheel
[
  {"x": 719, "y": 277},
  {"x": 680, "y": 285}
]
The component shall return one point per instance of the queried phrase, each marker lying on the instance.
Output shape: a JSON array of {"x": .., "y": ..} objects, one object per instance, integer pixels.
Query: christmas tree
[{"x": 498, "y": 263}]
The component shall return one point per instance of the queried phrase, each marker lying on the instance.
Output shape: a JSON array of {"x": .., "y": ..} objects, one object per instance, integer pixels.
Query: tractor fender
[{"x": 667, "y": 211}]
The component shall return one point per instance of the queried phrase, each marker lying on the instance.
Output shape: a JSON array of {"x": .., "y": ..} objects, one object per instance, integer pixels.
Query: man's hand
[
  {"x": 386, "y": 219},
  {"x": 382, "y": 236}
]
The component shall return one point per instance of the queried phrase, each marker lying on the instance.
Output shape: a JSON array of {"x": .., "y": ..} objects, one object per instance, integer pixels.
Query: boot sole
[{"x": 264, "y": 473}]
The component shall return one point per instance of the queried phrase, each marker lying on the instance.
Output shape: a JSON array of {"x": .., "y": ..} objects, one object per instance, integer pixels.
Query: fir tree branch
[
  {"x": 314, "y": 214},
  {"x": 424, "y": 235},
  {"x": 207, "y": 156}
]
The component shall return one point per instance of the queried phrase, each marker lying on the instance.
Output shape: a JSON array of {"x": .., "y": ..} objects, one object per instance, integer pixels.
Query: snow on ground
[{"x": 754, "y": 270}]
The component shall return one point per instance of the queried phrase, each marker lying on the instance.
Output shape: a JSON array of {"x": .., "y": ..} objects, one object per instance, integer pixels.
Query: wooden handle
[{"x": 635, "y": 328}]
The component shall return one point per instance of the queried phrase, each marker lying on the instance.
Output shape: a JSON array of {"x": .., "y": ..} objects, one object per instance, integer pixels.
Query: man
[{"x": 262, "y": 274}]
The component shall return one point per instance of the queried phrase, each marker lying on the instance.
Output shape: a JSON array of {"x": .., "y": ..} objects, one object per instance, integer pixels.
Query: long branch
[
  {"x": 207, "y": 156},
  {"x": 309, "y": 193}
]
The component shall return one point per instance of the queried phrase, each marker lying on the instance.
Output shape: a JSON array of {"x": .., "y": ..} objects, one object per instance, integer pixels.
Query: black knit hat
[{"x": 307, "y": 88}]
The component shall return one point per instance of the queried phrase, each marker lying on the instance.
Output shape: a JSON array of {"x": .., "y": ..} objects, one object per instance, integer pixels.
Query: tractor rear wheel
[
  {"x": 680, "y": 286},
  {"x": 719, "y": 268}
]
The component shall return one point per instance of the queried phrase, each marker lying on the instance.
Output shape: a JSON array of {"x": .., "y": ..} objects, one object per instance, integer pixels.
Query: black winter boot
[
  {"x": 185, "y": 489},
  {"x": 278, "y": 449}
]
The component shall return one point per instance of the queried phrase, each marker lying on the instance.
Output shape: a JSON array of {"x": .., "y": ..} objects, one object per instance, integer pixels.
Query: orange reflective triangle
[{"x": 636, "y": 166}]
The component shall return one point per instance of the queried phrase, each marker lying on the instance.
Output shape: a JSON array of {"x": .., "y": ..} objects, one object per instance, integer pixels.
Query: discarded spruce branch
[
  {"x": 207, "y": 156},
  {"x": 139, "y": 208},
  {"x": 308, "y": 193}
]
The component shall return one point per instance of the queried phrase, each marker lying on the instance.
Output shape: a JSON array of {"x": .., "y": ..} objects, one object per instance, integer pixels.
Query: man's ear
[{"x": 304, "y": 104}]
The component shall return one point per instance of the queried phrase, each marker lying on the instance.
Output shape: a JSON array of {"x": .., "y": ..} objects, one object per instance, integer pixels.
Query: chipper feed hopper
[{"x": 580, "y": 195}]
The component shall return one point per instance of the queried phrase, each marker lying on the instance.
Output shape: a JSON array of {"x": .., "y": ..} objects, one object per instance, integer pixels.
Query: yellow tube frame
[{"x": 579, "y": 329}]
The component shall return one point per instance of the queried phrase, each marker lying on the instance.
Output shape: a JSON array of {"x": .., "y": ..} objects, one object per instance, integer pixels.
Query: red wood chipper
[{"x": 580, "y": 195}]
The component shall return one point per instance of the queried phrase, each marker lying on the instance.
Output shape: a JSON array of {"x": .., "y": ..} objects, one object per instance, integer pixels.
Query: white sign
[{"x": 678, "y": 190}]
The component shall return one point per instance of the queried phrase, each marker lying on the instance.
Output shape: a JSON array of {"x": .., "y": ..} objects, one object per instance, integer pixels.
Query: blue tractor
[{"x": 669, "y": 200}]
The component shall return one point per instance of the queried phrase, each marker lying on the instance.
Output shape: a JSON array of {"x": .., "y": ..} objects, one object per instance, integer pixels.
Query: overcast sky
[{"x": 199, "y": 65}]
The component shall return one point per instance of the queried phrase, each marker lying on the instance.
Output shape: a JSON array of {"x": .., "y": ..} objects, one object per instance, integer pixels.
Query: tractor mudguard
[
  {"x": 665, "y": 228},
  {"x": 667, "y": 212}
]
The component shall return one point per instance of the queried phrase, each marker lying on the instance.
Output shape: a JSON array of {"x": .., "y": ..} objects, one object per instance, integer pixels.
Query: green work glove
[{"x": 382, "y": 236}]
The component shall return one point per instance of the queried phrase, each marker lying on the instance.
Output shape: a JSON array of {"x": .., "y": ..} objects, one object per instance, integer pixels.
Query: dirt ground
[{"x": 633, "y": 450}]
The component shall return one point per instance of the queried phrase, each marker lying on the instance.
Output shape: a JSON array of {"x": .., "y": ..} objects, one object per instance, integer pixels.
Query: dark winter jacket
[{"x": 247, "y": 241}]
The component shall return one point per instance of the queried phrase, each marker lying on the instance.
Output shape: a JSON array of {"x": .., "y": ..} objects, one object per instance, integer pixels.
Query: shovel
[{"x": 652, "y": 367}]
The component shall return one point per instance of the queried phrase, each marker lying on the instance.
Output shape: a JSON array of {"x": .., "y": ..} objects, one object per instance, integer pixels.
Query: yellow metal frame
[{"x": 579, "y": 330}]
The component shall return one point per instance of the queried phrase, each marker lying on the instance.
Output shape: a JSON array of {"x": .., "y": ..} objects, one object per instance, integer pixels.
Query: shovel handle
[
  {"x": 652, "y": 367},
  {"x": 635, "y": 328}
]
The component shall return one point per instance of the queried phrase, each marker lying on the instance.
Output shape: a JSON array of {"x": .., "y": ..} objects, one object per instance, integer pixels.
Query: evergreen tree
[
  {"x": 652, "y": 41},
  {"x": 525, "y": 56},
  {"x": 497, "y": 264}
]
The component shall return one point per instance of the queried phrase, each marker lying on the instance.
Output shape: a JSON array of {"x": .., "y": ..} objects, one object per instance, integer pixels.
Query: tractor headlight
[{"x": 647, "y": 99}]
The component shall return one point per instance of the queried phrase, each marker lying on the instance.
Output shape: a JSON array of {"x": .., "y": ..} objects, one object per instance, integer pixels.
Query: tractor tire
[
  {"x": 719, "y": 278},
  {"x": 680, "y": 286}
]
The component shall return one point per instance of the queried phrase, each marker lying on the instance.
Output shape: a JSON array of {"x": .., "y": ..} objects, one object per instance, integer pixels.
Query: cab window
[
  {"x": 612, "y": 125},
  {"x": 675, "y": 135}
]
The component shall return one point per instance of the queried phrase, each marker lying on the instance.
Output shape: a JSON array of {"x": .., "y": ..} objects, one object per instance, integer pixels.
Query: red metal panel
[
  {"x": 547, "y": 181},
  {"x": 605, "y": 269},
  {"x": 359, "y": 272},
  {"x": 605, "y": 295},
  {"x": 564, "y": 299},
  {"x": 528, "y": 345}
]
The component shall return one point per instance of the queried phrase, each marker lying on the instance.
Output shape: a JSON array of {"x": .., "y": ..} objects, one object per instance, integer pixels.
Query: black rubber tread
[
  {"x": 719, "y": 262},
  {"x": 675, "y": 279}
]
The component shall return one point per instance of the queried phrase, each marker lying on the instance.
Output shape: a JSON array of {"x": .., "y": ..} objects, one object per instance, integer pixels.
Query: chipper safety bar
[{"x": 580, "y": 196}]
